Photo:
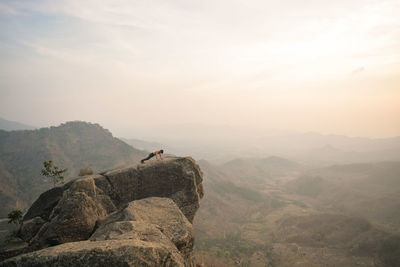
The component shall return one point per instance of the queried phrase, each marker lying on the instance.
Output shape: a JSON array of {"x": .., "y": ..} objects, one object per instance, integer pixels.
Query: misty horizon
[
  {"x": 222, "y": 144},
  {"x": 143, "y": 132},
  {"x": 328, "y": 67}
]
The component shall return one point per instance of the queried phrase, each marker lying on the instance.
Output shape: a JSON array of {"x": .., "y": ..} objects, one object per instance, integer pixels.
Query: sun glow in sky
[{"x": 327, "y": 66}]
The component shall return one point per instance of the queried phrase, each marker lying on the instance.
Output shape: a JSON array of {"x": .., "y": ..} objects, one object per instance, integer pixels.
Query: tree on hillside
[
  {"x": 53, "y": 172},
  {"x": 14, "y": 217}
]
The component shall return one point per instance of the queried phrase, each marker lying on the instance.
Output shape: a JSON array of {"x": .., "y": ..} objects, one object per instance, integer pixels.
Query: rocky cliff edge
[{"x": 136, "y": 215}]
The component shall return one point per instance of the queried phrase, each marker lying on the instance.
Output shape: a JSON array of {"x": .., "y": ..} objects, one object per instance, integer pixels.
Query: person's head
[{"x": 162, "y": 151}]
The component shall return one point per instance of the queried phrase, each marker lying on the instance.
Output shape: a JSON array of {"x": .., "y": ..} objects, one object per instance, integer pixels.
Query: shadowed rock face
[{"x": 100, "y": 207}]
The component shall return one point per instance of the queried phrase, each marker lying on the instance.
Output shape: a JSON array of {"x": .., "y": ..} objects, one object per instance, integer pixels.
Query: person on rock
[{"x": 152, "y": 154}]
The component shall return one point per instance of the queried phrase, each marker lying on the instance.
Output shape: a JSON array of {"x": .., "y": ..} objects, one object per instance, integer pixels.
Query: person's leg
[{"x": 148, "y": 157}]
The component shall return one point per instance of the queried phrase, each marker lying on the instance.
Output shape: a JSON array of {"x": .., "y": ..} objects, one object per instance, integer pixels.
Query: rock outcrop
[{"x": 138, "y": 215}]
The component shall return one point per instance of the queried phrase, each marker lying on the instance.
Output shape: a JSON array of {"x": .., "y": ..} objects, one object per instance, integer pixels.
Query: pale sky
[{"x": 317, "y": 65}]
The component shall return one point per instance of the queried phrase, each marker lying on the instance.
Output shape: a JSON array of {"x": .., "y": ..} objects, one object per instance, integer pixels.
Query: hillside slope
[{"x": 72, "y": 145}]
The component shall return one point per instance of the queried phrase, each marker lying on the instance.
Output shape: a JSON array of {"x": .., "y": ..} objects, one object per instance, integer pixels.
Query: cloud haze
[{"x": 286, "y": 64}]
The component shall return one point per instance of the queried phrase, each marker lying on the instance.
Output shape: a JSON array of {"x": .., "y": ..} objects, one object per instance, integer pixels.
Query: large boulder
[
  {"x": 126, "y": 252},
  {"x": 148, "y": 232},
  {"x": 162, "y": 212},
  {"x": 45, "y": 204},
  {"x": 167, "y": 194},
  {"x": 75, "y": 215},
  {"x": 69, "y": 213},
  {"x": 30, "y": 228},
  {"x": 177, "y": 178}
]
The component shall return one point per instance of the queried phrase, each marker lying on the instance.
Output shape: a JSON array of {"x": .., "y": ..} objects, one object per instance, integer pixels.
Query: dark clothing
[{"x": 148, "y": 157}]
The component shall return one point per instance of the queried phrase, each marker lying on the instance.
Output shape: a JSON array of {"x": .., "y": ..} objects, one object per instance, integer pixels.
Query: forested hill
[{"x": 72, "y": 145}]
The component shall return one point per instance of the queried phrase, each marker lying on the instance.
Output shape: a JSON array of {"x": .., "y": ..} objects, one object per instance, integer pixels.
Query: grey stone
[
  {"x": 177, "y": 178},
  {"x": 137, "y": 215},
  {"x": 75, "y": 215},
  {"x": 30, "y": 227},
  {"x": 44, "y": 205},
  {"x": 126, "y": 252},
  {"x": 163, "y": 213}
]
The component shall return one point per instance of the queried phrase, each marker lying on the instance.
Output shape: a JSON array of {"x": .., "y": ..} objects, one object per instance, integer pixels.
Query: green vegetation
[
  {"x": 53, "y": 172},
  {"x": 14, "y": 217}
]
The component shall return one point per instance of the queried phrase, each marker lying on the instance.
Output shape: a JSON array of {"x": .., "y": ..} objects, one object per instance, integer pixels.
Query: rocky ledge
[{"x": 136, "y": 215}]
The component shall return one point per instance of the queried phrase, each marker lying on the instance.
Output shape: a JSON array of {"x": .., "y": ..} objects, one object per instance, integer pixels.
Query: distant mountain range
[
  {"x": 143, "y": 145},
  {"x": 220, "y": 144},
  {"x": 72, "y": 145},
  {"x": 14, "y": 125}
]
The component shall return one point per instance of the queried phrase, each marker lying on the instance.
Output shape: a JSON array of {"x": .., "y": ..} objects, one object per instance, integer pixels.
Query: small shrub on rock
[{"x": 85, "y": 171}]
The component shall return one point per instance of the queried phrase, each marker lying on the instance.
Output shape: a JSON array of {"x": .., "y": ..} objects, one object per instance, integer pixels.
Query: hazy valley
[
  {"x": 256, "y": 211},
  {"x": 274, "y": 212}
]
